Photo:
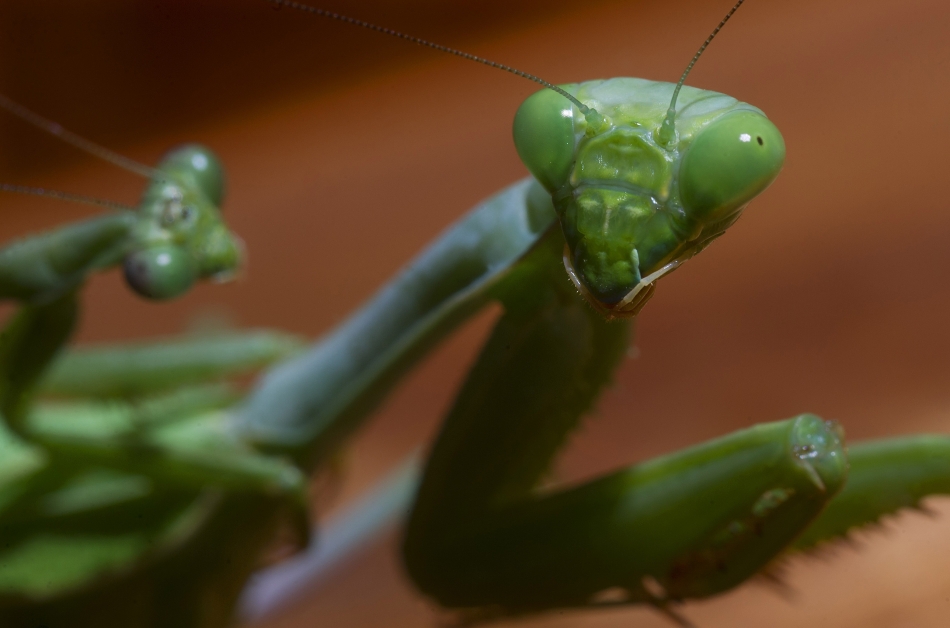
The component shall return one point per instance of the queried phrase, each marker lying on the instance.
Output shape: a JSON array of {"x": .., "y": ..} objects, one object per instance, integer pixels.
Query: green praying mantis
[{"x": 150, "y": 494}]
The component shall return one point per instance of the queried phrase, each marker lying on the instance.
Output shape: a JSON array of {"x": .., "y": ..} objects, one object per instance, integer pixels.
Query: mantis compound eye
[
  {"x": 201, "y": 166},
  {"x": 728, "y": 163},
  {"x": 544, "y": 137},
  {"x": 159, "y": 272}
]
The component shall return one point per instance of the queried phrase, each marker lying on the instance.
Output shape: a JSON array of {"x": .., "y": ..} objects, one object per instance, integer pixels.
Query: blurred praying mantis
[{"x": 142, "y": 495}]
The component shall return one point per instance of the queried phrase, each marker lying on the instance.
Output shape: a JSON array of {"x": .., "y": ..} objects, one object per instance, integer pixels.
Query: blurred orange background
[{"x": 348, "y": 151}]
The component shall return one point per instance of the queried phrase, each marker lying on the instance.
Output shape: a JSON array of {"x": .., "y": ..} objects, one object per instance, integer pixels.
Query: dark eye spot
[
  {"x": 759, "y": 140},
  {"x": 137, "y": 274}
]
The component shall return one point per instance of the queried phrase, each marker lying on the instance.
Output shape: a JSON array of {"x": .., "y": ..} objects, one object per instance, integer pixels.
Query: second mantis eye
[
  {"x": 729, "y": 163},
  {"x": 159, "y": 272}
]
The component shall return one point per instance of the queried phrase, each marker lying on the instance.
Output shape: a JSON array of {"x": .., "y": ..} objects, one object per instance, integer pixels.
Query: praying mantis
[{"x": 406, "y": 333}]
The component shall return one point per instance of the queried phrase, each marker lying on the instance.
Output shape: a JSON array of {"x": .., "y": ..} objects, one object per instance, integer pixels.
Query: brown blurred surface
[{"x": 347, "y": 153}]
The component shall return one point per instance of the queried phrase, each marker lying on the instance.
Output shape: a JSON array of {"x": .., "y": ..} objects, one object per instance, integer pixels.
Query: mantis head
[
  {"x": 632, "y": 207},
  {"x": 175, "y": 237},
  {"x": 181, "y": 236},
  {"x": 640, "y": 185}
]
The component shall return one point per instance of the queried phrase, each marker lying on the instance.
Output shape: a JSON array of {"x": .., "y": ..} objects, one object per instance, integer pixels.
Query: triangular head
[
  {"x": 180, "y": 236},
  {"x": 631, "y": 202}
]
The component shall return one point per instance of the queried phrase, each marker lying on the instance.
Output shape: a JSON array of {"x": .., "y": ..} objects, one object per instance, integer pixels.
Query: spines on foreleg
[
  {"x": 687, "y": 525},
  {"x": 691, "y": 524},
  {"x": 886, "y": 476}
]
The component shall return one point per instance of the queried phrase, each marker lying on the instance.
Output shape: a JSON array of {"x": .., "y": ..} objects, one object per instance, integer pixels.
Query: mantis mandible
[{"x": 481, "y": 538}]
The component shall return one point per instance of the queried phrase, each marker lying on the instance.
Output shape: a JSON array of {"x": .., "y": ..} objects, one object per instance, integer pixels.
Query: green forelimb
[
  {"x": 309, "y": 406},
  {"x": 44, "y": 266},
  {"x": 690, "y": 524},
  {"x": 194, "y": 452},
  {"x": 886, "y": 476},
  {"x": 146, "y": 368},
  {"x": 28, "y": 344},
  {"x": 686, "y": 525}
]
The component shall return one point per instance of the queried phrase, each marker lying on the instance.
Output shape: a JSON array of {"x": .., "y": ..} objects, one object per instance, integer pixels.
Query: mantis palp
[{"x": 391, "y": 311}]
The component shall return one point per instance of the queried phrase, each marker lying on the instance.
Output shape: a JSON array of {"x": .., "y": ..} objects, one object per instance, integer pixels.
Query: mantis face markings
[{"x": 631, "y": 204}]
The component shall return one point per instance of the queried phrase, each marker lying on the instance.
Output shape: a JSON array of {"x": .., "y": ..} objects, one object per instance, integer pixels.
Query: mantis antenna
[
  {"x": 79, "y": 142},
  {"x": 667, "y": 132},
  {"x": 63, "y": 196},
  {"x": 592, "y": 116}
]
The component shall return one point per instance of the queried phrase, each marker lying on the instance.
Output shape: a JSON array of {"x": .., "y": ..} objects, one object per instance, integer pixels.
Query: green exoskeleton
[{"x": 147, "y": 488}]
